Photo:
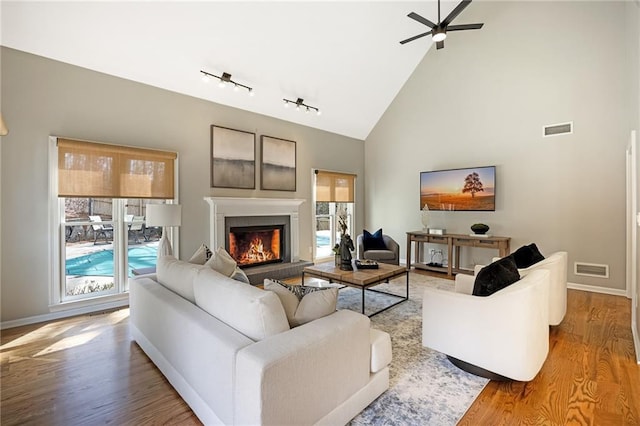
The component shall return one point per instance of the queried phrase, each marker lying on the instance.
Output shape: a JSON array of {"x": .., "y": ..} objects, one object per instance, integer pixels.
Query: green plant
[{"x": 479, "y": 228}]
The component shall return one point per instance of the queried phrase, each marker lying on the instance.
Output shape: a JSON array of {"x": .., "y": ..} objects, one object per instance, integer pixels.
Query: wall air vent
[
  {"x": 591, "y": 270},
  {"x": 557, "y": 129}
]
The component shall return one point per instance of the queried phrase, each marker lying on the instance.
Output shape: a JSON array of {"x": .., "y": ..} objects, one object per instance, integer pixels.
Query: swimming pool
[{"x": 100, "y": 263}]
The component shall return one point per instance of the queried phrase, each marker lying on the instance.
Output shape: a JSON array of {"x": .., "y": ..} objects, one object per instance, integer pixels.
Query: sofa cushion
[
  {"x": 253, "y": 312},
  {"x": 373, "y": 241},
  {"x": 222, "y": 262},
  {"x": 380, "y": 349},
  {"x": 496, "y": 276},
  {"x": 201, "y": 256},
  {"x": 380, "y": 255},
  {"x": 526, "y": 256},
  {"x": 303, "y": 304},
  {"x": 177, "y": 276}
]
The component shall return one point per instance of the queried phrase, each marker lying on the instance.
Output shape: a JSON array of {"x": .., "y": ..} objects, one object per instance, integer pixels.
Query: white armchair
[
  {"x": 557, "y": 266},
  {"x": 504, "y": 335}
]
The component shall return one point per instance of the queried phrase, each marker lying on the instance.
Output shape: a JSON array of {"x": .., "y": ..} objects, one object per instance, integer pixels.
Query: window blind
[
  {"x": 89, "y": 169},
  {"x": 335, "y": 187}
]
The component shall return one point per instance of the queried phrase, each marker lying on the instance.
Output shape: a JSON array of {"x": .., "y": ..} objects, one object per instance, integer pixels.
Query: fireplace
[
  {"x": 229, "y": 212},
  {"x": 256, "y": 245},
  {"x": 258, "y": 240}
]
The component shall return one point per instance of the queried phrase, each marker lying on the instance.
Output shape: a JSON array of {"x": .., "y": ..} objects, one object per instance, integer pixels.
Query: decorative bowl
[{"x": 479, "y": 228}]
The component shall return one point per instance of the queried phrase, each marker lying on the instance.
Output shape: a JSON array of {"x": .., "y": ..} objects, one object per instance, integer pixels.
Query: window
[
  {"x": 334, "y": 198},
  {"x": 99, "y": 194}
]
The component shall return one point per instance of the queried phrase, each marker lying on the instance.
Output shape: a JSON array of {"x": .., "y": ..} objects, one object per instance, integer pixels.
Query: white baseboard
[
  {"x": 596, "y": 289},
  {"x": 124, "y": 301}
]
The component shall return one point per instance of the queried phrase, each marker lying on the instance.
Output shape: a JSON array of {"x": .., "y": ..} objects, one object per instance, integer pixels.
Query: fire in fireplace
[{"x": 256, "y": 245}]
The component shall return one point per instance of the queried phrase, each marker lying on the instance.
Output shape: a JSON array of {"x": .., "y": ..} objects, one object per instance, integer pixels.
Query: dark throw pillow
[
  {"x": 526, "y": 256},
  {"x": 496, "y": 276},
  {"x": 373, "y": 241}
]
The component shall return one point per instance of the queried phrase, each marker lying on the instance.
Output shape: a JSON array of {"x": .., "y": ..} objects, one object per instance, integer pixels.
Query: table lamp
[{"x": 164, "y": 215}]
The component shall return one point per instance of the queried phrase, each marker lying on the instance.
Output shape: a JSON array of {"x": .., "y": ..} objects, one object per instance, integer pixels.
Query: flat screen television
[{"x": 468, "y": 189}]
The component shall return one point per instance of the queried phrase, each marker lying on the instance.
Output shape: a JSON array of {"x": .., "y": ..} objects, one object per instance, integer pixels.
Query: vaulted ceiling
[{"x": 341, "y": 57}]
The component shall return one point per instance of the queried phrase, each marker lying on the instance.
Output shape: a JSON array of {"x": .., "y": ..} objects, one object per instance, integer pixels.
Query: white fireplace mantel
[{"x": 222, "y": 207}]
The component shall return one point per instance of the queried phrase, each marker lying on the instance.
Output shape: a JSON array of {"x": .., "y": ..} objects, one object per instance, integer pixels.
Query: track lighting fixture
[
  {"x": 301, "y": 106},
  {"x": 225, "y": 80}
]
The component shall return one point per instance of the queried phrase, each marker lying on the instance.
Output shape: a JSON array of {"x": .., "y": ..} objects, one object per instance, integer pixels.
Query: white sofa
[
  {"x": 506, "y": 333},
  {"x": 556, "y": 264},
  {"x": 323, "y": 372}
]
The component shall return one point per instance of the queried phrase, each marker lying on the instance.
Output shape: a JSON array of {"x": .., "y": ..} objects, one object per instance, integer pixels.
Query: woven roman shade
[
  {"x": 334, "y": 187},
  {"x": 89, "y": 169}
]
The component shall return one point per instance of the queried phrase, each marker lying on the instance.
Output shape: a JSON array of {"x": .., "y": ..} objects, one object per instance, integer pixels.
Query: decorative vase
[
  {"x": 337, "y": 259},
  {"x": 424, "y": 217}
]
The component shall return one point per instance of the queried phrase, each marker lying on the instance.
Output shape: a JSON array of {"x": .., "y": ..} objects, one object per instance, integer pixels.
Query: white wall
[
  {"x": 42, "y": 97},
  {"x": 483, "y": 100}
]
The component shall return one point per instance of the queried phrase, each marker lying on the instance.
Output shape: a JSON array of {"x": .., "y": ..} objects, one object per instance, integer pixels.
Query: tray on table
[{"x": 366, "y": 264}]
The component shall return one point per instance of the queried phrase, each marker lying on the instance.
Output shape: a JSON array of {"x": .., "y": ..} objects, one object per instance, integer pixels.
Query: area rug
[{"x": 425, "y": 388}]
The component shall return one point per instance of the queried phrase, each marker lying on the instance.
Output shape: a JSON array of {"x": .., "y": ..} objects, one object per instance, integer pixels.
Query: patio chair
[
  {"x": 136, "y": 228},
  {"x": 100, "y": 229}
]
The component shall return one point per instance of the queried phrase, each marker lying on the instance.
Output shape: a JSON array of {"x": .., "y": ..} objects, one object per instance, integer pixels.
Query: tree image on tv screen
[{"x": 472, "y": 184}]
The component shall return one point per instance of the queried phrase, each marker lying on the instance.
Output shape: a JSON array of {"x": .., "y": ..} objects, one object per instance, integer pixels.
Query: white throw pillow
[
  {"x": 201, "y": 256},
  {"x": 253, "y": 312},
  {"x": 222, "y": 262},
  {"x": 303, "y": 304},
  {"x": 239, "y": 275},
  {"x": 177, "y": 276}
]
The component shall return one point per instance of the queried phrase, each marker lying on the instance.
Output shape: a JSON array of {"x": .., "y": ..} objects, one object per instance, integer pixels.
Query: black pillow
[
  {"x": 526, "y": 256},
  {"x": 373, "y": 241},
  {"x": 496, "y": 276}
]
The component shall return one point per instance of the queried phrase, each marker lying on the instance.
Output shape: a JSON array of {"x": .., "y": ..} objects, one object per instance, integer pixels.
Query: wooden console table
[{"x": 454, "y": 242}]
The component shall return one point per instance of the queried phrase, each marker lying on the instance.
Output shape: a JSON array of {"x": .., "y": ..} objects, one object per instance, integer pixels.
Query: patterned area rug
[{"x": 425, "y": 388}]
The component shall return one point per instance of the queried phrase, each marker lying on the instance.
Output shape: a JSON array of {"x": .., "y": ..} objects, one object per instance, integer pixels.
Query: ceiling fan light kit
[
  {"x": 439, "y": 36},
  {"x": 439, "y": 31}
]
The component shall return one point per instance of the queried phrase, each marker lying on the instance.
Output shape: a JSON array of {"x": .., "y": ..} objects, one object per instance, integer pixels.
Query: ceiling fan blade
[
  {"x": 422, "y": 20},
  {"x": 439, "y": 44},
  {"x": 415, "y": 37},
  {"x": 464, "y": 27},
  {"x": 455, "y": 12}
]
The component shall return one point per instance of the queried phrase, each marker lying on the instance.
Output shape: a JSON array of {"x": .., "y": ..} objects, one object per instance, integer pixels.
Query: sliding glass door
[{"x": 328, "y": 216}]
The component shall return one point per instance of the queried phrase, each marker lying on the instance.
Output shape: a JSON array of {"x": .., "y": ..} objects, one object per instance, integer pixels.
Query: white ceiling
[{"x": 342, "y": 57}]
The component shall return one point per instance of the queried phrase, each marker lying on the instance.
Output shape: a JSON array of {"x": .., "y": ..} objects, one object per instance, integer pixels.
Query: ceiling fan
[{"x": 439, "y": 31}]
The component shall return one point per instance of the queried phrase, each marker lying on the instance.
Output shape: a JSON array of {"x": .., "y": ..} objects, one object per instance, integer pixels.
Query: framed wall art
[
  {"x": 233, "y": 158},
  {"x": 278, "y": 164}
]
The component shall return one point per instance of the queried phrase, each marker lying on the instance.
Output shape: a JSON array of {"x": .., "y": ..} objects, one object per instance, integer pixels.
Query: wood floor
[
  {"x": 589, "y": 378},
  {"x": 86, "y": 371}
]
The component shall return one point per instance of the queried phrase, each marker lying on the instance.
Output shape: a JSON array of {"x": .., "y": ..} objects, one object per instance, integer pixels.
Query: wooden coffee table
[{"x": 361, "y": 278}]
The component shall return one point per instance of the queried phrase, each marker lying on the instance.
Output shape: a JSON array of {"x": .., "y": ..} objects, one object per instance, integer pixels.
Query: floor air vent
[
  {"x": 591, "y": 270},
  {"x": 557, "y": 129}
]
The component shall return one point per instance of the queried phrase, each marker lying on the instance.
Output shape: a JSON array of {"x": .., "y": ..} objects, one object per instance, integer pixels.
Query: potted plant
[{"x": 336, "y": 254}]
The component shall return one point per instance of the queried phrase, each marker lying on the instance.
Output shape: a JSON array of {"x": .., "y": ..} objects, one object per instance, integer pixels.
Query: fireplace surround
[{"x": 228, "y": 212}]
